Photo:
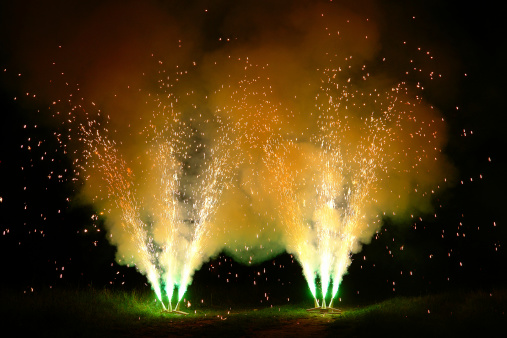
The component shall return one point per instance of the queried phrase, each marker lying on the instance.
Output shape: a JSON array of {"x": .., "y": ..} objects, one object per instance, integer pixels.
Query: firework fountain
[
  {"x": 288, "y": 128},
  {"x": 168, "y": 152},
  {"x": 121, "y": 189}
]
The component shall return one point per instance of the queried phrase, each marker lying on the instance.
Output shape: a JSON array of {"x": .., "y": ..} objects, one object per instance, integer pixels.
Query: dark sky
[{"x": 100, "y": 46}]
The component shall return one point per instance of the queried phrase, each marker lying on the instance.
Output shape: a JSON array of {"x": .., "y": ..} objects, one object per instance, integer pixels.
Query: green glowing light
[
  {"x": 169, "y": 290},
  {"x": 310, "y": 279},
  {"x": 181, "y": 291},
  {"x": 153, "y": 279},
  {"x": 325, "y": 275},
  {"x": 313, "y": 289}
]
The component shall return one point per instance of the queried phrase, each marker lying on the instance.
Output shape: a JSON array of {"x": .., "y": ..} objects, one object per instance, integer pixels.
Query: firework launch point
[
  {"x": 177, "y": 312},
  {"x": 323, "y": 309}
]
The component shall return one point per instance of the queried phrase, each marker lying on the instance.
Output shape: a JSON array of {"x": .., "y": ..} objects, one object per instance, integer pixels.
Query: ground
[{"x": 106, "y": 313}]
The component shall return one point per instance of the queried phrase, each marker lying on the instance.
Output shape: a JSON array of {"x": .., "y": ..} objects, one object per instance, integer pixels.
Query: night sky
[{"x": 50, "y": 234}]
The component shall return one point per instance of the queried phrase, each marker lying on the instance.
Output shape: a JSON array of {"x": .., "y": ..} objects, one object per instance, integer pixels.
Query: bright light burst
[{"x": 269, "y": 147}]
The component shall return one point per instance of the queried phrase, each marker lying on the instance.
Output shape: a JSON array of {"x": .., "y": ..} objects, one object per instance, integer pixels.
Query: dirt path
[
  {"x": 243, "y": 325},
  {"x": 302, "y": 327}
]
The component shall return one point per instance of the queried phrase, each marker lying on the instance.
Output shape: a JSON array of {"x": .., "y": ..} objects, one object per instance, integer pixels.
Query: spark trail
[
  {"x": 286, "y": 183},
  {"x": 168, "y": 210},
  {"x": 289, "y": 130},
  {"x": 360, "y": 159},
  {"x": 207, "y": 196},
  {"x": 137, "y": 246}
]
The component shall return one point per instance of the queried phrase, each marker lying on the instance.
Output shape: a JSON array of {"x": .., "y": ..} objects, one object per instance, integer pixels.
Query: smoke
[{"x": 250, "y": 127}]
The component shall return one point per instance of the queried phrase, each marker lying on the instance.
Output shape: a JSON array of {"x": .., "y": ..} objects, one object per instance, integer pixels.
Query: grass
[
  {"x": 101, "y": 313},
  {"x": 460, "y": 313}
]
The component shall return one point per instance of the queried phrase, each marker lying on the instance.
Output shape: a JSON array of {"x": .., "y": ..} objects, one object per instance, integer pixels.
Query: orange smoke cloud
[{"x": 277, "y": 111}]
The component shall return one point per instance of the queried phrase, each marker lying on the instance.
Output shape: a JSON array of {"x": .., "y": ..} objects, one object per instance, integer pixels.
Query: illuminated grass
[{"x": 59, "y": 313}]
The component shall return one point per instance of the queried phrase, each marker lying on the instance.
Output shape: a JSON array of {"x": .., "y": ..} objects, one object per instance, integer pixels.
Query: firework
[{"x": 302, "y": 141}]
